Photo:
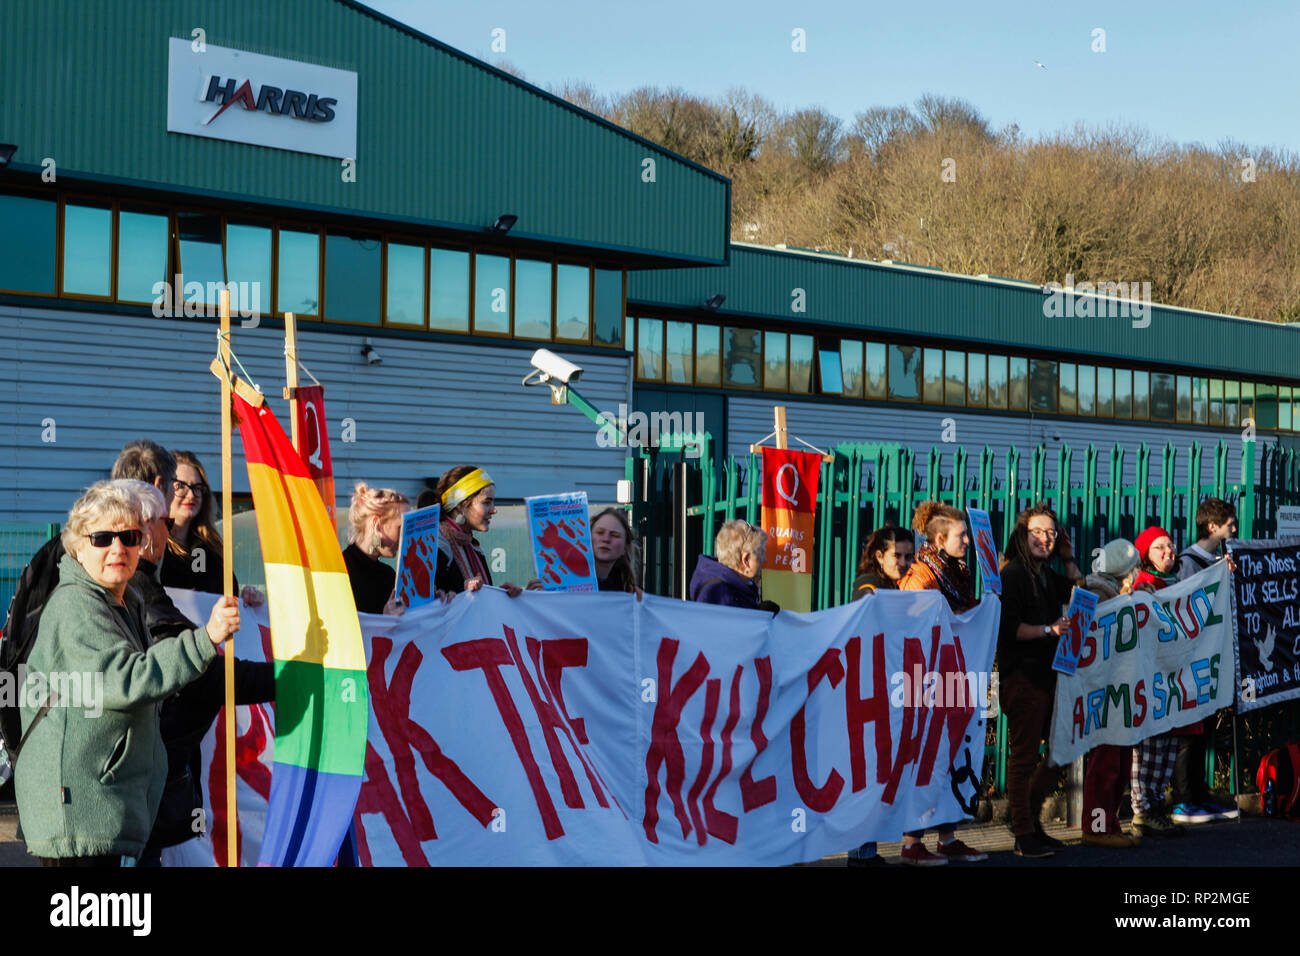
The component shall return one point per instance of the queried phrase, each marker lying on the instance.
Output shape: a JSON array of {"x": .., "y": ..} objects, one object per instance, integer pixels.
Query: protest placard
[
  {"x": 560, "y": 527},
  {"x": 417, "y": 556}
]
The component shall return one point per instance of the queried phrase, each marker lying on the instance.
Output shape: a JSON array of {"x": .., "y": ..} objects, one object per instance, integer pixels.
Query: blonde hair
[
  {"x": 370, "y": 506},
  {"x": 737, "y": 537},
  {"x": 932, "y": 519},
  {"x": 103, "y": 503}
]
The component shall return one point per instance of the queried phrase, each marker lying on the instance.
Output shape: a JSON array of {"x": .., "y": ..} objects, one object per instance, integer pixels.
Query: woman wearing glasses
[
  {"x": 91, "y": 771},
  {"x": 1033, "y": 596},
  {"x": 194, "y": 558}
]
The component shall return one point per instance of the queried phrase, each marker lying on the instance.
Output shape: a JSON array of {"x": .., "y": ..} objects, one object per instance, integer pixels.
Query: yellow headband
[{"x": 471, "y": 484}]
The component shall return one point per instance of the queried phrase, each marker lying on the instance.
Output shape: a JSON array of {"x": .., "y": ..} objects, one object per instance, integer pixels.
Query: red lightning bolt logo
[{"x": 243, "y": 94}]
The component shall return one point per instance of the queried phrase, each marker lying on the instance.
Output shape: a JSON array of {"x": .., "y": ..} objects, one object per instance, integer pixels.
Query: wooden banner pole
[
  {"x": 291, "y": 376},
  {"x": 228, "y": 580}
]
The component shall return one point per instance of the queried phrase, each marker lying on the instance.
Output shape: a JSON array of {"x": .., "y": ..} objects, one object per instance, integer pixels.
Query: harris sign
[{"x": 221, "y": 93}]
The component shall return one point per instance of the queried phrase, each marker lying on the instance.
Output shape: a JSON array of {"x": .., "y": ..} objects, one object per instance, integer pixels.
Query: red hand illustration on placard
[
  {"x": 571, "y": 554},
  {"x": 415, "y": 563},
  {"x": 987, "y": 552}
]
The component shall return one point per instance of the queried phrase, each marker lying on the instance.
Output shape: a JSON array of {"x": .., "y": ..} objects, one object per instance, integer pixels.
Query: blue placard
[
  {"x": 560, "y": 530},
  {"x": 986, "y": 552},
  {"x": 1083, "y": 605},
  {"x": 417, "y": 556}
]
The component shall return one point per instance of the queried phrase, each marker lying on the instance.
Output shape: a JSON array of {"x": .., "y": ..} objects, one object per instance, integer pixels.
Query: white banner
[
  {"x": 594, "y": 729},
  {"x": 1150, "y": 663}
]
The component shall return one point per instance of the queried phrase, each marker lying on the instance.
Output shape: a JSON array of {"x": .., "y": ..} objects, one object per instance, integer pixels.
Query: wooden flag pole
[
  {"x": 291, "y": 376},
  {"x": 228, "y": 580}
]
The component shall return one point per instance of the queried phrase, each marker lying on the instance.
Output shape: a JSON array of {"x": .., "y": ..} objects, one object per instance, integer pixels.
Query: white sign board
[
  {"x": 1288, "y": 521},
  {"x": 228, "y": 94}
]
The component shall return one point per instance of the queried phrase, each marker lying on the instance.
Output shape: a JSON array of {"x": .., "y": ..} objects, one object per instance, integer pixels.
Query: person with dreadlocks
[
  {"x": 1033, "y": 596},
  {"x": 941, "y": 565}
]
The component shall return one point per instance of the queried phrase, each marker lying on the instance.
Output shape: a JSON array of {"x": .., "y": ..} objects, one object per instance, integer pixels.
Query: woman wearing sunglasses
[{"x": 92, "y": 764}]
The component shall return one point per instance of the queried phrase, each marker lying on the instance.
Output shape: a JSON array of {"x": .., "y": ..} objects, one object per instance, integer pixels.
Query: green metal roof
[
  {"x": 444, "y": 140},
  {"x": 860, "y": 295}
]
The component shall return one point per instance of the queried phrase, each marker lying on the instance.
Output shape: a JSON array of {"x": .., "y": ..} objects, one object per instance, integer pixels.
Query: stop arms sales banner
[
  {"x": 1149, "y": 663},
  {"x": 559, "y": 729}
]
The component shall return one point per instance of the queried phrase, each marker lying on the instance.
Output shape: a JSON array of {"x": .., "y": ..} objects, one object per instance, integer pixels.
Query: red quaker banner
[
  {"x": 789, "y": 515},
  {"x": 315, "y": 443},
  {"x": 596, "y": 729}
]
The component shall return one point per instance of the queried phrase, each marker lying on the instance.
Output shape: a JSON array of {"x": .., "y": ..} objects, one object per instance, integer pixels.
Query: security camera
[
  {"x": 370, "y": 353},
  {"x": 549, "y": 367}
]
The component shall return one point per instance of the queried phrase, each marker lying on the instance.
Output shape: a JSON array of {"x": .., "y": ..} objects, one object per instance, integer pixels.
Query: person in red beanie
[{"x": 1153, "y": 758}]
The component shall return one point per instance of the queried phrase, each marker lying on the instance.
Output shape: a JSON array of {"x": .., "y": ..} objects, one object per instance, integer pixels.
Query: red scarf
[{"x": 465, "y": 551}]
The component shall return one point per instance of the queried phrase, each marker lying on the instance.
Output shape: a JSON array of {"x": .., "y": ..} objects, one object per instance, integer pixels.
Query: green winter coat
[{"x": 90, "y": 785}]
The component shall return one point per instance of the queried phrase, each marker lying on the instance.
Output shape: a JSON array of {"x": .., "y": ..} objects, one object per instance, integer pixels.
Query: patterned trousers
[{"x": 1153, "y": 766}]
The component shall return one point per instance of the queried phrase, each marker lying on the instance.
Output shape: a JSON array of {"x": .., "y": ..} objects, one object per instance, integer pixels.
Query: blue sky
[{"x": 1194, "y": 71}]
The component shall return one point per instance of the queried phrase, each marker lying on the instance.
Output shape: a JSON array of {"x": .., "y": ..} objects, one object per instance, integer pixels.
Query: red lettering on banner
[
  {"x": 249, "y": 747},
  {"x": 1077, "y": 719},
  {"x": 720, "y": 824},
  {"x": 820, "y": 799},
  {"x": 665, "y": 747},
  {"x": 759, "y": 793},
  {"x": 860, "y": 712},
  {"x": 909, "y": 743},
  {"x": 409, "y": 819},
  {"x": 490, "y": 654},
  {"x": 571, "y": 655},
  {"x": 712, "y": 691},
  {"x": 1140, "y": 700},
  {"x": 951, "y": 661}
]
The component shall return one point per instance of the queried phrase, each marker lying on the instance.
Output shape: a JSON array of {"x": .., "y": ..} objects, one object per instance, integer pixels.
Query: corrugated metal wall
[
  {"x": 964, "y": 311},
  {"x": 106, "y": 379},
  {"x": 441, "y": 138},
  {"x": 923, "y": 429}
]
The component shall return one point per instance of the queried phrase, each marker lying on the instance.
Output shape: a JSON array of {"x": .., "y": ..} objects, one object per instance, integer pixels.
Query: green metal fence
[
  {"x": 18, "y": 542},
  {"x": 682, "y": 496}
]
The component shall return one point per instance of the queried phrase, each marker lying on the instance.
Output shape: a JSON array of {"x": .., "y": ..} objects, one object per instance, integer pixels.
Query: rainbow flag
[{"x": 322, "y": 702}]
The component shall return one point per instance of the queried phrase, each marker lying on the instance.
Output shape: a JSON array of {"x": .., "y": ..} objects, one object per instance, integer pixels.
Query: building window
[
  {"x": 1018, "y": 390},
  {"x": 248, "y": 259},
  {"x": 828, "y": 368},
  {"x": 28, "y": 243},
  {"x": 1042, "y": 385},
  {"x": 1123, "y": 393},
  {"x": 1087, "y": 390},
  {"x": 776, "y": 373},
  {"x": 1284, "y": 409},
  {"x": 1201, "y": 401},
  {"x": 1216, "y": 401},
  {"x": 976, "y": 377},
  {"x": 650, "y": 349},
  {"x": 954, "y": 378},
  {"x": 608, "y": 327},
  {"x": 199, "y": 242},
  {"x": 1231, "y": 403},
  {"x": 997, "y": 381},
  {"x": 905, "y": 373},
  {"x": 1164, "y": 397},
  {"x": 491, "y": 294},
  {"x": 298, "y": 272},
  {"x": 876, "y": 378},
  {"x": 1184, "y": 397},
  {"x": 1068, "y": 383},
  {"x": 742, "y": 358},
  {"x": 801, "y": 355},
  {"x": 933, "y": 393},
  {"x": 404, "y": 285},
  {"x": 142, "y": 239},
  {"x": 353, "y": 266},
  {"x": 708, "y": 355},
  {"x": 573, "y": 303},
  {"x": 1106, "y": 392},
  {"x": 1248, "y": 403},
  {"x": 679, "y": 353},
  {"x": 1265, "y": 405},
  {"x": 851, "y": 367},
  {"x": 449, "y": 290},
  {"x": 532, "y": 299},
  {"x": 1141, "y": 394}
]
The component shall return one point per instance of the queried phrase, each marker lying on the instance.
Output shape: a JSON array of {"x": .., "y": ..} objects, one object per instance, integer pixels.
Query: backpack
[
  {"x": 1279, "y": 782},
  {"x": 37, "y": 582}
]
